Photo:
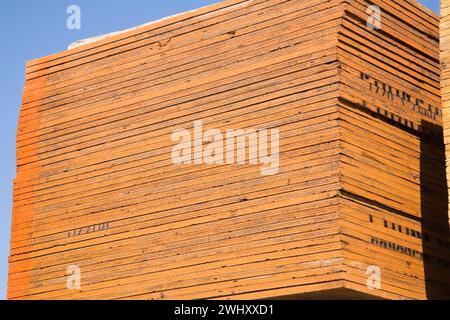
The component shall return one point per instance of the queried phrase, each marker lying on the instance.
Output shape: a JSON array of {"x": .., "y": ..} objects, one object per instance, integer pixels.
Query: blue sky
[{"x": 31, "y": 29}]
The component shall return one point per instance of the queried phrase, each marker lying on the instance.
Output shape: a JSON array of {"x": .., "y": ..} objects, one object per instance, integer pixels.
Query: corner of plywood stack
[{"x": 128, "y": 186}]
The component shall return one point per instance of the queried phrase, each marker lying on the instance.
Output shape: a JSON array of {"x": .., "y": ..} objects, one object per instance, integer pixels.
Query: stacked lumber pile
[
  {"x": 445, "y": 78},
  {"x": 394, "y": 207},
  {"x": 97, "y": 193},
  {"x": 96, "y": 186}
]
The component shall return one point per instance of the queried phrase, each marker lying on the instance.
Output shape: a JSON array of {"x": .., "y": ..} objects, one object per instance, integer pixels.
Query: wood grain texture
[
  {"x": 360, "y": 122},
  {"x": 445, "y": 77}
]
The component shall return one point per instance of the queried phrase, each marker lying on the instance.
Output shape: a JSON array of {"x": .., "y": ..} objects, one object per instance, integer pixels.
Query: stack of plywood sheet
[
  {"x": 445, "y": 78},
  {"x": 103, "y": 208},
  {"x": 394, "y": 207}
]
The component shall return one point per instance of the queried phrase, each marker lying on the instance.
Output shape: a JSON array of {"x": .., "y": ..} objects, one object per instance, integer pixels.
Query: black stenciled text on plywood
[
  {"x": 89, "y": 229},
  {"x": 425, "y": 237},
  {"x": 392, "y": 93}
]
